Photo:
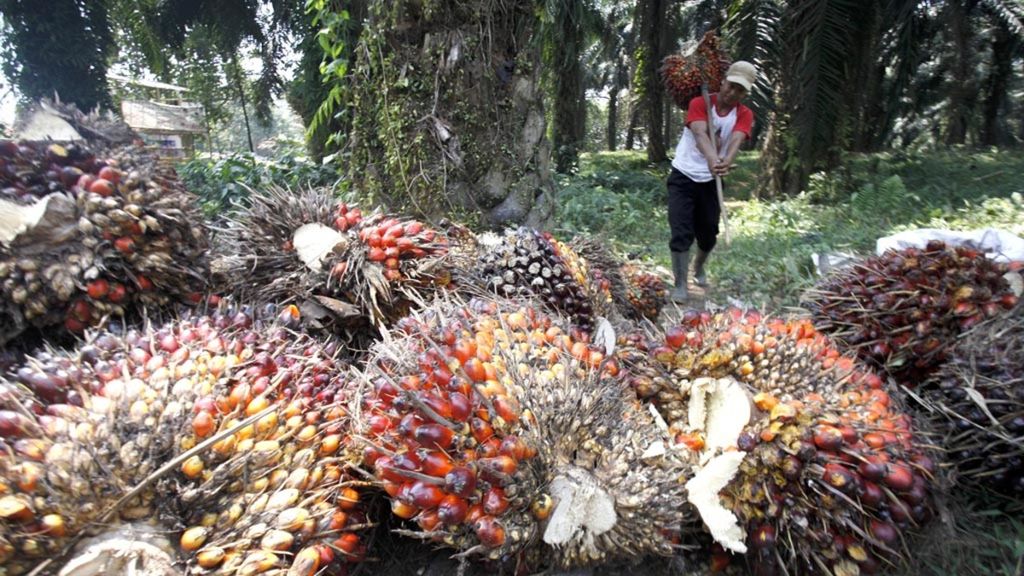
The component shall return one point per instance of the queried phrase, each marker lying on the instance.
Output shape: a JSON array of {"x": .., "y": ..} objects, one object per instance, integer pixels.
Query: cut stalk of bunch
[
  {"x": 88, "y": 234},
  {"x": 226, "y": 435},
  {"x": 820, "y": 471},
  {"x": 903, "y": 310},
  {"x": 498, "y": 434}
]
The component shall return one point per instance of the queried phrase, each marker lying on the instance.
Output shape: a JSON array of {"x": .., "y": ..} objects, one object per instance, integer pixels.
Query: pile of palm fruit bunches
[
  {"x": 88, "y": 234},
  {"x": 467, "y": 394},
  {"x": 945, "y": 323}
]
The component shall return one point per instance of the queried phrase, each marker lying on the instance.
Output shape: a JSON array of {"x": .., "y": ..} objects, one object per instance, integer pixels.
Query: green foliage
[
  {"x": 58, "y": 46},
  {"x": 224, "y": 181},
  {"x": 332, "y": 27}
]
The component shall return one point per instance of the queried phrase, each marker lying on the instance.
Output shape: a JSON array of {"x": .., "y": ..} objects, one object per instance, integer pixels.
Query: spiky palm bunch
[
  {"x": 308, "y": 247},
  {"x": 500, "y": 435},
  {"x": 91, "y": 233},
  {"x": 822, "y": 472},
  {"x": 902, "y": 311},
  {"x": 228, "y": 434},
  {"x": 977, "y": 399}
]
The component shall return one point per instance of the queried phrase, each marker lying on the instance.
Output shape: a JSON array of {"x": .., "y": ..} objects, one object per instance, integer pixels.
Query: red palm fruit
[
  {"x": 828, "y": 438},
  {"x": 474, "y": 369},
  {"x": 117, "y": 293},
  {"x": 494, "y": 501},
  {"x": 436, "y": 463},
  {"x": 452, "y": 510},
  {"x": 506, "y": 408},
  {"x": 461, "y": 407},
  {"x": 425, "y": 495},
  {"x": 873, "y": 468},
  {"x": 464, "y": 349},
  {"x": 403, "y": 510},
  {"x": 428, "y": 520},
  {"x": 460, "y": 481},
  {"x": 899, "y": 477},
  {"x": 97, "y": 289},
  {"x": 481, "y": 430},
  {"x": 376, "y": 255},
  {"x": 102, "y": 187},
  {"x": 432, "y": 435},
  {"x": 884, "y": 532},
  {"x": 489, "y": 531},
  {"x": 763, "y": 537},
  {"x": 441, "y": 406},
  {"x": 871, "y": 494},
  {"x": 112, "y": 175},
  {"x": 498, "y": 467},
  {"x": 837, "y": 476}
]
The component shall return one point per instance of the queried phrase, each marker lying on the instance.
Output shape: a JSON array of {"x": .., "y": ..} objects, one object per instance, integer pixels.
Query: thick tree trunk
[
  {"x": 1000, "y": 71},
  {"x": 866, "y": 110},
  {"x": 961, "y": 98},
  {"x": 612, "y": 133},
  {"x": 448, "y": 114},
  {"x": 651, "y": 15},
  {"x": 634, "y": 124},
  {"x": 569, "y": 118}
]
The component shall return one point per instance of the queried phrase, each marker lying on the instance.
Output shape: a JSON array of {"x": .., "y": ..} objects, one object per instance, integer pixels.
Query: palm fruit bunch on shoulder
[
  {"x": 903, "y": 310},
  {"x": 227, "y": 434},
  {"x": 818, "y": 469},
  {"x": 91, "y": 234},
  {"x": 309, "y": 247},
  {"x": 499, "y": 435},
  {"x": 683, "y": 74},
  {"x": 977, "y": 400},
  {"x": 526, "y": 263}
]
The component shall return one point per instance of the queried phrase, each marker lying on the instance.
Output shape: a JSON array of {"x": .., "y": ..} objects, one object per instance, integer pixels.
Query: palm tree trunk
[
  {"x": 570, "y": 103},
  {"x": 651, "y": 15},
  {"x": 613, "y": 118},
  {"x": 960, "y": 92},
  {"x": 1000, "y": 71}
]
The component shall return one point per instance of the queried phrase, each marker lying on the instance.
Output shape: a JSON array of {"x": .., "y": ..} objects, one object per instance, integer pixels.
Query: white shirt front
[{"x": 688, "y": 158}]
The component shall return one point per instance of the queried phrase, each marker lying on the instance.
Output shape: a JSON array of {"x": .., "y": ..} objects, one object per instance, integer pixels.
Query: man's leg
[
  {"x": 681, "y": 199},
  {"x": 705, "y": 229}
]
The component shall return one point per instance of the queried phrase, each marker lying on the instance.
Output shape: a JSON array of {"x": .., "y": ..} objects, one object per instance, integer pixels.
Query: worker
[{"x": 693, "y": 209}]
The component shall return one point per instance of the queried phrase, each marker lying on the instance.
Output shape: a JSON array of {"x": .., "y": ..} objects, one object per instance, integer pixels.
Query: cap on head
[{"x": 743, "y": 73}]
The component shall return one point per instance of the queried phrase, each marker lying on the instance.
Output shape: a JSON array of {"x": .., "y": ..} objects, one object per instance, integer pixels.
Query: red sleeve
[
  {"x": 697, "y": 111},
  {"x": 744, "y": 120}
]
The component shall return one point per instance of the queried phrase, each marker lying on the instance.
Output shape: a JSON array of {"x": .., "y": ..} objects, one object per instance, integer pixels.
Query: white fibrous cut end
[
  {"x": 314, "y": 241},
  {"x": 719, "y": 409},
  {"x": 728, "y": 412},
  {"x": 1016, "y": 282},
  {"x": 17, "y": 218},
  {"x": 583, "y": 510},
  {"x": 702, "y": 492},
  {"x": 654, "y": 450}
]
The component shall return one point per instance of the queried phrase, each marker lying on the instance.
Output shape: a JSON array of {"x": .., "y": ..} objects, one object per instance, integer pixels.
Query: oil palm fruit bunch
[
  {"x": 646, "y": 293},
  {"x": 88, "y": 235},
  {"x": 683, "y": 74},
  {"x": 817, "y": 469},
  {"x": 307, "y": 246},
  {"x": 226, "y": 433},
  {"x": 499, "y": 435},
  {"x": 635, "y": 293},
  {"x": 526, "y": 263},
  {"x": 977, "y": 399},
  {"x": 903, "y": 310}
]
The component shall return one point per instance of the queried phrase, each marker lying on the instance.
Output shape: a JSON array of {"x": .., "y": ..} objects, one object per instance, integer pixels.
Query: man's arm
[
  {"x": 700, "y": 135},
  {"x": 736, "y": 140}
]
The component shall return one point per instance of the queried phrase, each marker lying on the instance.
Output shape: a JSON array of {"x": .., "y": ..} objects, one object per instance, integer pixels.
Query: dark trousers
[{"x": 693, "y": 212}]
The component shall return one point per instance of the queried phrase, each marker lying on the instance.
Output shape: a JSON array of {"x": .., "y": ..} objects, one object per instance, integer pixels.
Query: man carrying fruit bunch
[{"x": 693, "y": 209}]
